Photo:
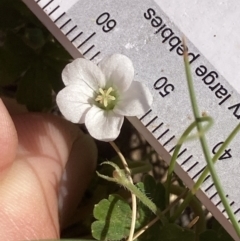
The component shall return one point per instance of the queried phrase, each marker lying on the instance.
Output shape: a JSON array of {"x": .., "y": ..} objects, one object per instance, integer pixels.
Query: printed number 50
[{"x": 163, "y": 85}]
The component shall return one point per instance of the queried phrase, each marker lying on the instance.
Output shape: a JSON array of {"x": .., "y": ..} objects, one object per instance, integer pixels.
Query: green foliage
[
  {"x": 31, "y": 61},
  {"x": 172, "y": 232},
  {"x": 35, "y": 85},
  {"x": 217, "y": 233},
  {"x": 155, "y": 192},
  {"x": 65, "y": 240},
  {"x": 113, "y": 219}
]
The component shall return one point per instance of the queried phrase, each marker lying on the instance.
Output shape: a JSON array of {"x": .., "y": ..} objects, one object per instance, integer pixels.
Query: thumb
[
  {"x": 8, "y": 140},
  {"x": 28, "y": 194}
]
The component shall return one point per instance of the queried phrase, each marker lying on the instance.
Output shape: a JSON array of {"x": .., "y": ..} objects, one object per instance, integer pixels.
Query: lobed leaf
[{"x": 113, "y": 219}]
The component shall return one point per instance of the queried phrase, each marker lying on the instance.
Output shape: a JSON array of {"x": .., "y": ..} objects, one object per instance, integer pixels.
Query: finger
[
  {"x": 74, "y": 181},
  {"x": 8, "y": 140},
  {"x": 30, "y": 190}
]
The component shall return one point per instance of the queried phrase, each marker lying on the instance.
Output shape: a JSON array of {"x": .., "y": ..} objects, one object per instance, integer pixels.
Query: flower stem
[
  {"x": 134, "y": 200},
  {"x": 204, "y": 145},
  {"x": 183, "y": 138},
  {"x": 119, "y": 176},
  {"x": 204, "y": 174}
]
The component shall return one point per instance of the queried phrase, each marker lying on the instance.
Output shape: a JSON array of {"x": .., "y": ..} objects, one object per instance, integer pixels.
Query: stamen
[{"x": 105, "y": 97}]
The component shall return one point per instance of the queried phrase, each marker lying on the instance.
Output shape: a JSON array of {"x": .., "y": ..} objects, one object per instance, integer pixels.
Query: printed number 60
[{"x": 109, "y": 24}]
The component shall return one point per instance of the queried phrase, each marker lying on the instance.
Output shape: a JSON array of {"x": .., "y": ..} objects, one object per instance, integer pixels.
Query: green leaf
[
  {"x": 65, "y": 240},
  {"x": 10, "y": 18},
  {"x": 34, "y": 37},
  {"x": 210, "y": 235},
  {"x": 54, "y": 78},
  {"x": 113, "y": 219},
  {"x": 217, "y": 233},
  {"x": 172, "y": 232},
  {"x": 54, "y": 50},
  {"x": 15, "y": 58},
  {"x": 156, "y": 192},
  {"x": 34, "y": 89}
]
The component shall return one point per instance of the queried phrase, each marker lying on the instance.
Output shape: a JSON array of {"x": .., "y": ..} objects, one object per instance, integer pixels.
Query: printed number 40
[{"x": 226, "y": 154}]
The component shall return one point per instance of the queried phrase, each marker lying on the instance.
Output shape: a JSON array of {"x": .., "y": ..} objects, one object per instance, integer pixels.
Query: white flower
[{"x": 100, "y": 96}]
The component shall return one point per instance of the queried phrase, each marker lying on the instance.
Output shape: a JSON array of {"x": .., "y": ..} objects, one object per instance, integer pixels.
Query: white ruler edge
[{"x": 75, "y": 53}]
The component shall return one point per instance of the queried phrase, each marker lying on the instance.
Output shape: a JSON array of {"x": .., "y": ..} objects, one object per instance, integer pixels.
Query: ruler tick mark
[
  {"x": 53, "y": 10},
  {"x": 207, "y": 189},
  {"x": 206, "y": 178},
  {"x": 76, "y": 37},
  {"x": 183, "y": 151},
  {"x": 237, "y": 211},
  {"x": 157, "y": 127},
  {"x": 199, "y": 172},
  {"x": 88, "y": 49},
  {"x": 87, "y": 39},
  {"x": 190, "y": 168},
  {"x": 168, "y": 140},
  {"x": 95, "y": 55},
  {"x": 151, "y": 121},
  {"x": 47, "y": 4},
  {"x": 213, "y": 195},
  {"x": 172, "y": 149},
  {"x": 186, "y": 160},
  {"x": 163, "y": 134},
  {"x": 59, "y": 17},
  {"x": 218, "y": 203},
  {"x": 71, "y": 30},
  {"x": 145, "y": 114},
  {"x": 69, "y": 20}
]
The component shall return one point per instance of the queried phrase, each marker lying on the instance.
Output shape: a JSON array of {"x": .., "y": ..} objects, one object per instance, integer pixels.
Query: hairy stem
[{"x": 134, "y": 200}]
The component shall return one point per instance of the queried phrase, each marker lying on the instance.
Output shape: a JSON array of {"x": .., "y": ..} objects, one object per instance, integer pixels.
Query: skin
[{"x": 35, "y": 148}]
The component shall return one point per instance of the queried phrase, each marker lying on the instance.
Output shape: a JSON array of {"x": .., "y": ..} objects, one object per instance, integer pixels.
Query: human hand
[{"x": 35, "y": 149}]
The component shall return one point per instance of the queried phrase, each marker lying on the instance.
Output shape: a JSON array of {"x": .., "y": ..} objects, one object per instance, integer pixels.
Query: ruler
[{"x": 142, "y": 31}]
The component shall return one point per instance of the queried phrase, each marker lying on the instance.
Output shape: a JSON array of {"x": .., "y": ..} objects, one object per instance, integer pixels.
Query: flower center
[{"x": 106, "y": 98}]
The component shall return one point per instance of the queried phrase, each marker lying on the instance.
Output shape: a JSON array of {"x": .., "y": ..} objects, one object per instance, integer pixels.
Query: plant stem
[
  {"x": 196, "y": 206},
  {"x": 134, "y": 200},
  {"x": 204, "y": 145},
  {"x": 183, "y": 138},
  {"x": 204, "y": 174},
  {"x": 119, "y": 176},
  {"x": 173, "y": 204}
]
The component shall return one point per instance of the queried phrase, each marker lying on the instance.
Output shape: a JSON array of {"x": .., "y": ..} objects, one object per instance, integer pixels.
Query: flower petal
[
  {"x": 103, "y": 125},
  {"x": 83, "y": 70},
  {"x": 118, "y": 70},
  {"x": 74, "y": 101},
  {"x": 137, "y": 100}
]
